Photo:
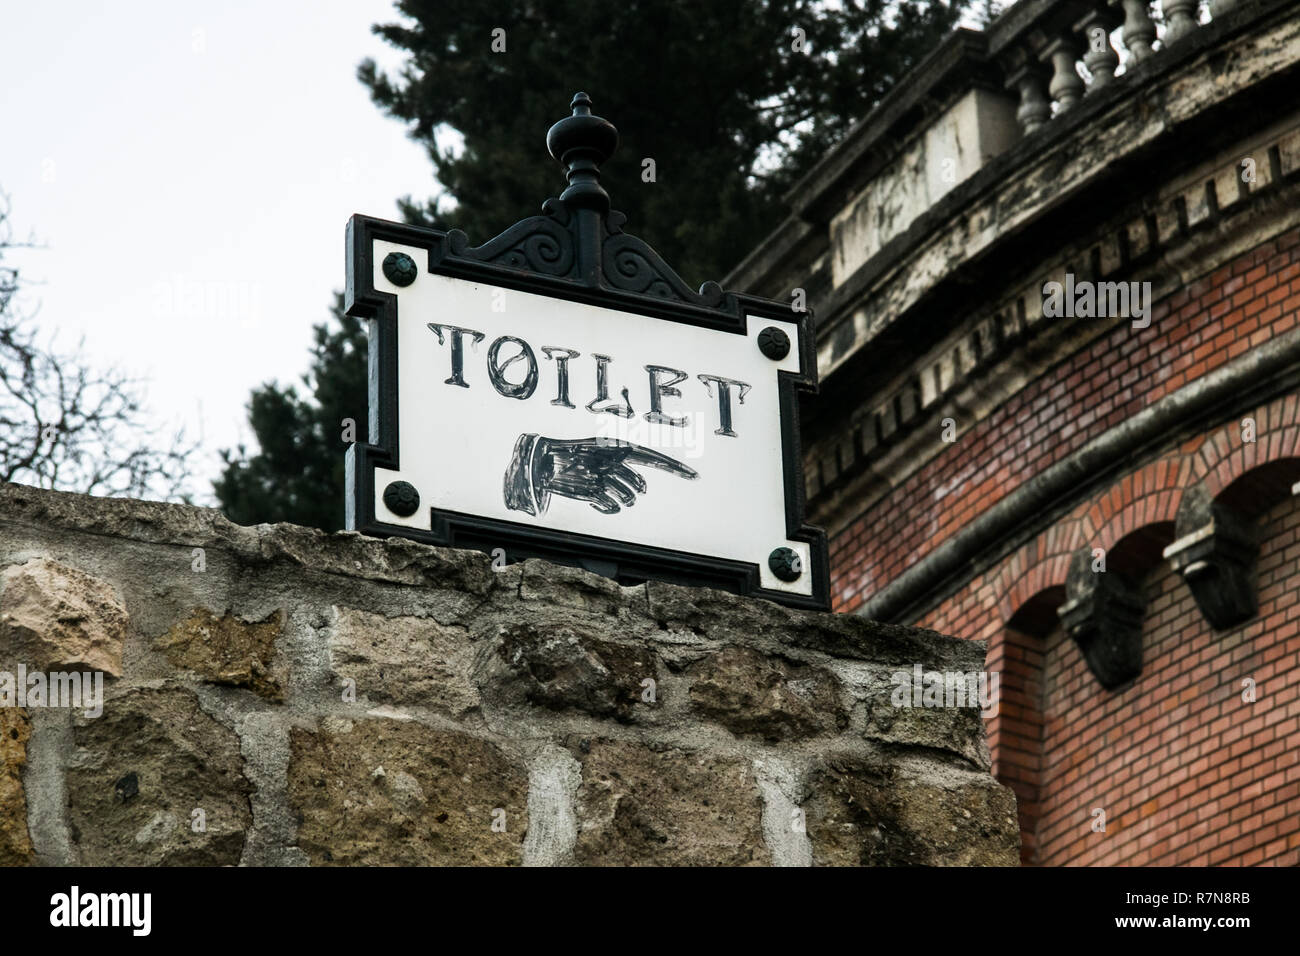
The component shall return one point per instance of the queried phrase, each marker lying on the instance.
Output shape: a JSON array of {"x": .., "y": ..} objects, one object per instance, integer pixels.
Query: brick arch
[
  {"x": 1146, "y": 496},
  {"x": 1149, "y": 495},
  {"x": 1042, "y": 575},
  {"x": 1141, "y": 504},
  {"x": 1037, "y": 566},
  {"x": 1259, "y": 488},
  {"x": 1223, "y": 457}
]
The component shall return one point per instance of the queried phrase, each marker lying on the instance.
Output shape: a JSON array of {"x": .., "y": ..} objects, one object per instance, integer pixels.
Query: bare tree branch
[{"x": 68, "y": 425}]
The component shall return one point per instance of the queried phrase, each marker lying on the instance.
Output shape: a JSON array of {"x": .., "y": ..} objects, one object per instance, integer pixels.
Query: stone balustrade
[{"x": 1056, "y": 52}]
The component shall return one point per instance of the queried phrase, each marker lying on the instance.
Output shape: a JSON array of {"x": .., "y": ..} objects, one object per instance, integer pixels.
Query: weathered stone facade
[{"x": 279, "y": 696}]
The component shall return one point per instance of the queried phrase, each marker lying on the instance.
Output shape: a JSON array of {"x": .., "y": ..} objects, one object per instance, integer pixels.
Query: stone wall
[{"x": 278, "y": 696}]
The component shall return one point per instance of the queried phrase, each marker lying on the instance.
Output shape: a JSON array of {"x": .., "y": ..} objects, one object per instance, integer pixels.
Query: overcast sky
[{"x": 189, "y": 168}]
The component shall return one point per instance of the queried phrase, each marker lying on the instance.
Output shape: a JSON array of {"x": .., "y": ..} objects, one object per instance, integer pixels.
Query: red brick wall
[
  {"x": 1196, "y": 330},
  {"x": 1185, "y": 771}
]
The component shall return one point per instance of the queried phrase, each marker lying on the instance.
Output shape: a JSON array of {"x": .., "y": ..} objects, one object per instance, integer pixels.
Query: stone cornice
[
  {"x": 1169, "y": 241},
  {"x": 1099, "y": 155}
]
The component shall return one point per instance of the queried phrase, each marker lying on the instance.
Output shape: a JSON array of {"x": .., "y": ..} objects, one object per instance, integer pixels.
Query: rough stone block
[
  {"x": 638, "y": 806},
  {"x": 404, "y": 661},
  {"x": 1138, "y": 237},
  {"x": 561, "y": 666},
  {"x": 453, "y": 662},
  {"x": 139, "y": 773},
  {"x": 1289, "y": 151},
  {"x": 15, "y": 845},
  {"x": 753, "y": 694},
  {"x": 573, "y": 588},
  {"x": 958, "y": 730},
  {"x": 227, "y": 650},
  {"x": 731, "y": 619},
  {"x": 1197, "y": 202},
  {"x": 54, "y": 617},
  {"x": 1228, "y": 187},
  {"x": 864, "y": 812},
  {"x": 399, "y": 793}
]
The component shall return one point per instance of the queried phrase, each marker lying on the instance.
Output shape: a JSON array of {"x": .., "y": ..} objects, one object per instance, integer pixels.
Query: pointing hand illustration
[{"x": 595, "y": 470}]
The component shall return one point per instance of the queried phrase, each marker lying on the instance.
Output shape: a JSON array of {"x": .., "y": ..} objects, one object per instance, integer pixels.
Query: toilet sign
[{"x": 559, "y": 392}]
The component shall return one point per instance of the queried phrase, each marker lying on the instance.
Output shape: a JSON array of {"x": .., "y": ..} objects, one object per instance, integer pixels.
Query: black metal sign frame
[{"x": 575, "y": 250}]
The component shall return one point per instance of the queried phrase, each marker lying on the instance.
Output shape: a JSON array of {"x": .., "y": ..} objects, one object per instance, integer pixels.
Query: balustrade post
[
  {"x": 1180, "y": 19},
  {"x": 1035, "y": 109},
  {"x": 1139, "y": 31},
  {"x": 1099, "y": 57},
  {"x": 1066, "y": 86}
]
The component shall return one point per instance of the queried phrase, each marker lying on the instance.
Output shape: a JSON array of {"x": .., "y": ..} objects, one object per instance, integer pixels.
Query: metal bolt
[
  {"x": 399, "y": 268},
  {"x": 785, "y": 564},
  {"x": 401, "y": 498},
  {"x": 774, "y": 343}
]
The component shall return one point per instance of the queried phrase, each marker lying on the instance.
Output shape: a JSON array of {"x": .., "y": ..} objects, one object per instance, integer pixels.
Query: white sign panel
[{"x": 522, "y": 418}]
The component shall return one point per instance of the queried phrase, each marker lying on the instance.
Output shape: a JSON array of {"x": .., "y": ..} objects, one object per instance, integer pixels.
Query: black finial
[{"x": 582, "y": 142}]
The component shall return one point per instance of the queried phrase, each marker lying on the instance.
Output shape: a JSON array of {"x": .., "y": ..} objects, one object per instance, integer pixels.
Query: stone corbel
[
  {"x": 1103, "y": 614},
  {"x": 1215, "y": 554}
]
